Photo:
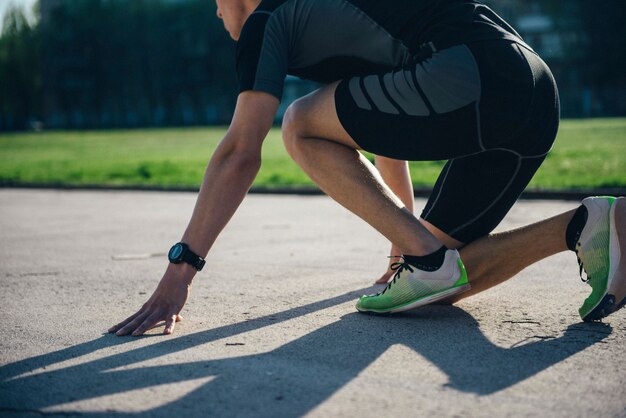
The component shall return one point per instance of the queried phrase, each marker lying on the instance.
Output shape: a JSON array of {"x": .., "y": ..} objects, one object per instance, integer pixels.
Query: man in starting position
[{"x": 405, "y": 80}]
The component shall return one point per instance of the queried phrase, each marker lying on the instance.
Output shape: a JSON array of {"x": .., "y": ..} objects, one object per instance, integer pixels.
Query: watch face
[{"x": 175, "y": 252}]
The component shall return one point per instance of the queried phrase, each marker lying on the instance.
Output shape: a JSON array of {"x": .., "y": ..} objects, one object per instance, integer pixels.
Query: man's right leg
[
  {"x": 493, "y": 259},
  {"x": 601, "y": 248},
  {"x": 471, "y": 197}
]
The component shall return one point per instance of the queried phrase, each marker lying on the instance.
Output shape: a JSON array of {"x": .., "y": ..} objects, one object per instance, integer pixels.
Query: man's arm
[
  {"x": 232, "y": 168},
  {"x": 229, "y": 175}
]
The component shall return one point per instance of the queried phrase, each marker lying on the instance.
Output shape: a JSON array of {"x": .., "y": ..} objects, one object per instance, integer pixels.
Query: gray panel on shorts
[
  {"x": 402, "y": 90},
  {"x": 450, "y": 79},
  {"x": 357, "y": 94},
  {"x": 375, "y": 91}
]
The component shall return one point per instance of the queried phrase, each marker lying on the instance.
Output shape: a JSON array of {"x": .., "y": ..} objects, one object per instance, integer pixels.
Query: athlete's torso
[{"x": 328, "y": 40}]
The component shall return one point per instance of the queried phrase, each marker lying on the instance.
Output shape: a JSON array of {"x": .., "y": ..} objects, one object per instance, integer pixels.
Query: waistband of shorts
[{"x": 426, "y": 49}]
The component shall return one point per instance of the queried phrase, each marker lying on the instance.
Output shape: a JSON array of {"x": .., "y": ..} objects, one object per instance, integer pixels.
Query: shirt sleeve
[{"x": 262, "y": 55}]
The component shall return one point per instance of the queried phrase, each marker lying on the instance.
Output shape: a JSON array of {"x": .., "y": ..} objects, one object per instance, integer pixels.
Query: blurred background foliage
[
  {"x": 103, "y": 64},
  {"x": 149, "y": 63}
]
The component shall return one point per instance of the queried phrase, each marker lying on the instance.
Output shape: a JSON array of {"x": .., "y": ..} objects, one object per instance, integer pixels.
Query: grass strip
[{"x": 588, "y": 154}]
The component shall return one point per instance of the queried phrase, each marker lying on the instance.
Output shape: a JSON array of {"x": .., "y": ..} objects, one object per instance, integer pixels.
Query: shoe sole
[
  {"x": 422, "y": 301},
  {"x": 615, "y": 296}
]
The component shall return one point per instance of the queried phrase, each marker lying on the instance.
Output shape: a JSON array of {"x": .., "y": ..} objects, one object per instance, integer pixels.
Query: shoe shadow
[{"x": 298, "y": 376}]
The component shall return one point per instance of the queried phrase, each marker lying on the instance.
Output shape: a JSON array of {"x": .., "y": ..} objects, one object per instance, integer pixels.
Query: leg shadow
[{"x": 298, "y": 376}]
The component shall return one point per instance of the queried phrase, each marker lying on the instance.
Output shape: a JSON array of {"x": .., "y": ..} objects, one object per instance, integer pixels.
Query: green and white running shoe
[
  {"x": 411, "y": 287},
  {"x": 599, "y": 249}
]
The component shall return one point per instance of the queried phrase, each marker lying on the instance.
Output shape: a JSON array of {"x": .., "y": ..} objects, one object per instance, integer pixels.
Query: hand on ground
[{"x": 165, "y": 304}]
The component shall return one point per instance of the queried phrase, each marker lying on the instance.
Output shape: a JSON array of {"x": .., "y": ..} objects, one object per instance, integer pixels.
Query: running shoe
[
  {"x": 411, "y": 287},
  {"x": 598, "y": 250}
]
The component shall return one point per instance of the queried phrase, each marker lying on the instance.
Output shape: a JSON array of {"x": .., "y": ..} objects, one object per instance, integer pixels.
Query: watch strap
[{"x": 192, "y": 258}]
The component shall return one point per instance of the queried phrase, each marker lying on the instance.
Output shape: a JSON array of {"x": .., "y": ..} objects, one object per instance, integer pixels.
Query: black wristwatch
[{"x": 180, "y": 252}]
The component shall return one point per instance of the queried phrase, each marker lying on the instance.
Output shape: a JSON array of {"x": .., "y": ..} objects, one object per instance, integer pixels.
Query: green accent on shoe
[
  {"x": 463, "y": 279},
  {"x": 594, "y": 258},
  {"x": 402, "y": 292}
]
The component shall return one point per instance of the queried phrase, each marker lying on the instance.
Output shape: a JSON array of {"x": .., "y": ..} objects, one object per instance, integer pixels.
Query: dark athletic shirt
[{"x": 329, "y": 40}]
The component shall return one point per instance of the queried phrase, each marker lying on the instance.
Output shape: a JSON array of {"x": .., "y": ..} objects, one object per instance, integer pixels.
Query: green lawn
[{"x": 588, "y": 153}]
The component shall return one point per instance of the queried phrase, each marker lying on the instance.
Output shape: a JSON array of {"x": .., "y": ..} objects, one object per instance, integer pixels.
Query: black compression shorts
[{"x": 490, "y": 108}]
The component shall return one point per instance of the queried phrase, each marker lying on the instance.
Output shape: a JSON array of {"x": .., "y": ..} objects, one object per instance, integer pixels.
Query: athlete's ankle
[{"x": 429, "y": 262}]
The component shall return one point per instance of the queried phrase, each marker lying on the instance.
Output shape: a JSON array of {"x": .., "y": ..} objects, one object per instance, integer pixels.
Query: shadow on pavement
[{"x": 298, "y": 376}]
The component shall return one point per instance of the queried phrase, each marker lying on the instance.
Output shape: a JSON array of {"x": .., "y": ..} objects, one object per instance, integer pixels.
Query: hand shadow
[{"x": 300, "y": 375}]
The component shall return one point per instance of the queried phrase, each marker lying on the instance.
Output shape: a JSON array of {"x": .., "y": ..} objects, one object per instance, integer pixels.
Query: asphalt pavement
[{"x": 270, "y": 329}]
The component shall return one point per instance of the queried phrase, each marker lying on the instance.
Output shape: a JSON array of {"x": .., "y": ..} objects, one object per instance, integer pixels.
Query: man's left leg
[{"x": 316, "y": 140}]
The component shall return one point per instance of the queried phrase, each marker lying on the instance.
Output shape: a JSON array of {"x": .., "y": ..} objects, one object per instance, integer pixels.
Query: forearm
[
  {"x": 233, "y": 166},
  {"x": 228, "y": 177}
]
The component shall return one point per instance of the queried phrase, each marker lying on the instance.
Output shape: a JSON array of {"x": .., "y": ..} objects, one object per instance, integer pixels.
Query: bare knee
[
  {"x": 309, "y": 119},
  {"x": 293, "y": 126}
]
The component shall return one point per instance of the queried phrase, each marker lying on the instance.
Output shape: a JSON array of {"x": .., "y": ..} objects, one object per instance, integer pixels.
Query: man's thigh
[
  {"x": 424, "y": 112},
  {"x": 315, "y": 116}
]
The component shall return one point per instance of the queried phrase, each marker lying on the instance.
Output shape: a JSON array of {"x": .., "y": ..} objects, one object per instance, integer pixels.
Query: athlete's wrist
[{"x": 183, "y": 272}]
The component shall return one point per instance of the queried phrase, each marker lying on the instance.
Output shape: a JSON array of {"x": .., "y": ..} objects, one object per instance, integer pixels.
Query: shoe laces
[
  {"x": 398, "y": 267},
  {"x": 581, "y": 266}
]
